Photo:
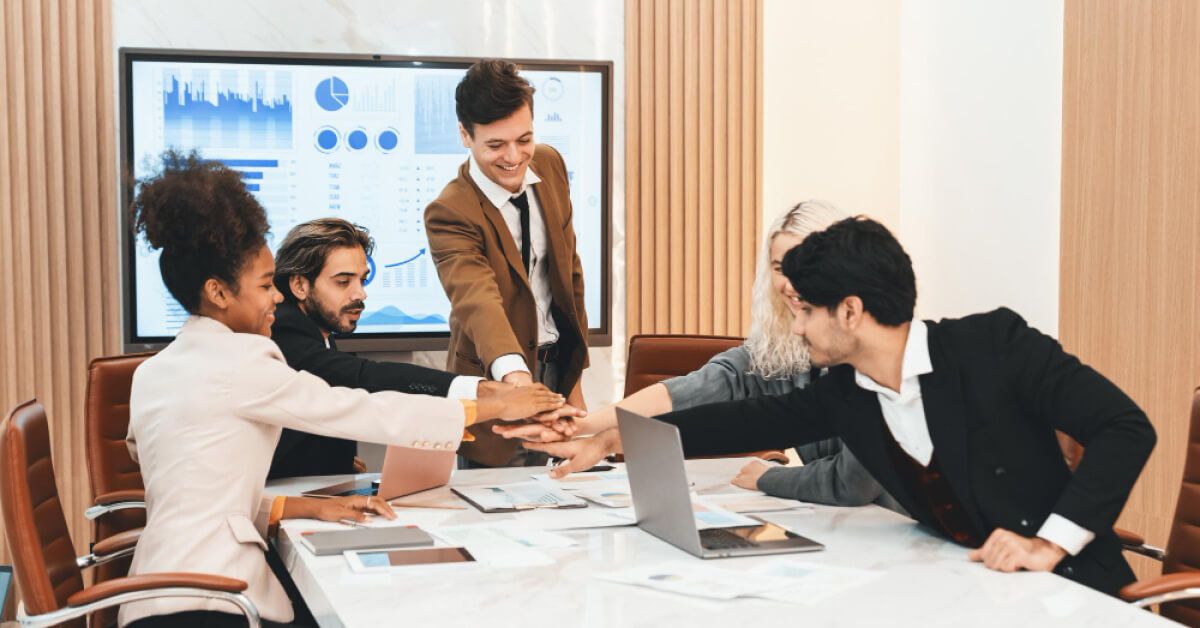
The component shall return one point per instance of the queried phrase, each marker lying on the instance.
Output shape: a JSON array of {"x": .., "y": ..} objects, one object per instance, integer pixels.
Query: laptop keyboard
[{"x": 719, "y": 538}]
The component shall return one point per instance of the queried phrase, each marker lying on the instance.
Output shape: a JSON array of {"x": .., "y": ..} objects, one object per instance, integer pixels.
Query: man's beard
[{"x": 326, "y": 318}]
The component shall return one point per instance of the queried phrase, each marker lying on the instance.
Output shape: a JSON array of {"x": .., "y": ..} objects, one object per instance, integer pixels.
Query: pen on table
[
  {"x": 352, "y": 523},
  {"x": 402, "y": 504}
]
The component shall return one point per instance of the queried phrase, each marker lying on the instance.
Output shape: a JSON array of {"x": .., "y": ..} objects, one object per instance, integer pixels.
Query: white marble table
[{"x": 926, "y": 581}]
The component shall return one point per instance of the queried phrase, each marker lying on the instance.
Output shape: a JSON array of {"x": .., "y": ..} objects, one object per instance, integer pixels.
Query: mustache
[{"x": 356, "y": 305}]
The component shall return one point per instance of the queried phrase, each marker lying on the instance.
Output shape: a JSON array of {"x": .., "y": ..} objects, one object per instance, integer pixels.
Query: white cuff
[
  {"x": 1065, "y": 533},
  {"x": 509, "y": 363},
  {"x": 464, "y": 387}
]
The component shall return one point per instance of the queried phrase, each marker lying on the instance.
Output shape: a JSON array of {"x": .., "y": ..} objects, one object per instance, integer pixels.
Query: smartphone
[{"x": 383, "y": 560}]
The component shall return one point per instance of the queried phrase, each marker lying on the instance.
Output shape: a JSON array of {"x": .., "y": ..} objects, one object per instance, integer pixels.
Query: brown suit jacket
[{"x": 492, "y": 311}]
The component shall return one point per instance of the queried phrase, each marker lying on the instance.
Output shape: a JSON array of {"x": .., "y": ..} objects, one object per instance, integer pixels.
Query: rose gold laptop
[{"x": 405, "y": 471}]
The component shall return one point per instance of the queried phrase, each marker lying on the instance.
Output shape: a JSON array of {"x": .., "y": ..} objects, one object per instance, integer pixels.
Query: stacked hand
[
  {"x": 579, "y": 454},
  {"x": 498, "y": 400}
]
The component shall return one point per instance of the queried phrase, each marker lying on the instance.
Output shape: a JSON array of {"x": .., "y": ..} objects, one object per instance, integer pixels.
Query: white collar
[
  {"x": 198, "y": 323},
  {"x": 916, "y": 362},
  {"x": 495, "y": 193}
]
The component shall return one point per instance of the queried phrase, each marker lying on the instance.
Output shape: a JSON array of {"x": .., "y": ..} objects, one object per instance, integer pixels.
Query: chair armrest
[
  {"x": 117, "y": 542},
  {"x": 116, "y": 500},
  {"x": 1133, "y": 542},
  {"x": 127, "y": 495},
  {"x": 113, "y": 593},
  {"x": 1176, "y": 586},
  {"x": 152, "y": 581}
]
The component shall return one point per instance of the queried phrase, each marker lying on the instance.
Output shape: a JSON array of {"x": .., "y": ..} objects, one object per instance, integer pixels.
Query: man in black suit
[
  {"x": 321, "y": 269},
  {"x": 956, "y": 419}
]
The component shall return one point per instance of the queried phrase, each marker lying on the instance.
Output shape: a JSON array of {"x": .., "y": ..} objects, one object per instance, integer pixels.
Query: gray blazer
[{"x": 830, "y": 475}]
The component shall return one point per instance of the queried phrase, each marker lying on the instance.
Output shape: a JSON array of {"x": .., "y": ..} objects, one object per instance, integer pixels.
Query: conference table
[{"x": 919, "y": 579}]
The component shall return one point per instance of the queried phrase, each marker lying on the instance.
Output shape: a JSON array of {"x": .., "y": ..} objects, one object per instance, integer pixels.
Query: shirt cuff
[
  {"x": 276, "y": 515},
  {"x": 509, "y": 363},
  {"x": 1066, "y": 534},
  {"x": 464, "y": 387},
  {"x": 470, "y": 413}
]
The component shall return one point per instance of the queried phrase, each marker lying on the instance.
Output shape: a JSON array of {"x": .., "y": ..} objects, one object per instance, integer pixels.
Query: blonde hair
[{"x": 775, "y": 352}]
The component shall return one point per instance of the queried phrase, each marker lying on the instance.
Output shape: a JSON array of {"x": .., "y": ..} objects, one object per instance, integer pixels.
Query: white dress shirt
[
  {"x": 904, "y": 414},
  {"x": 539, "y": 266}
]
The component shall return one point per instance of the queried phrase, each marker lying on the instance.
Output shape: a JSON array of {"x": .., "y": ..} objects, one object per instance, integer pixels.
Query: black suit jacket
[
  {"x": 303, "y": 346},
  {"x": 998, "y": 391}
]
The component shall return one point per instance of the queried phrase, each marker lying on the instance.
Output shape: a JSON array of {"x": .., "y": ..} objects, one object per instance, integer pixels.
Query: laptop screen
[{"x": 6, "y": 572}]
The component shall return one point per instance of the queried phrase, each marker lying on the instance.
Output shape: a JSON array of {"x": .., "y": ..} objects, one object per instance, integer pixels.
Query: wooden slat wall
[
  {"x": 693, "y": 163},
  {"x": 1130, "y": 295},
  {"x": 59, "y": 301}
]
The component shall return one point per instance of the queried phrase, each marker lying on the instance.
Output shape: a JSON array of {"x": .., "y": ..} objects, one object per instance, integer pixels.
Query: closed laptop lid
[
  {"x": 658, "y": 481},
  {"x": 407, "y": 470}
]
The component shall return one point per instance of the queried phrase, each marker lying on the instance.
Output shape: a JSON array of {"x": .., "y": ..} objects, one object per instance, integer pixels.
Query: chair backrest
[
  {"x": 34, "y": 523},
  {"x": 106, "y": 419},
  {"x": 1183, "y": 546},
  {"x": 653, "y": 358}
]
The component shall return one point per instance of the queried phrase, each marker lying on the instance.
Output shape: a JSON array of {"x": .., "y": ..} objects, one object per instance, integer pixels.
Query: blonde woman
[{"x": 773, "y": 361}]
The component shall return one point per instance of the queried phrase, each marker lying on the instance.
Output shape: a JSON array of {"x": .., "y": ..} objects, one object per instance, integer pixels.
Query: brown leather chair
[
  {"x": 1181, "y": 561},
  {"x": 48, "y": 573},
  {"x": 655, "y": 357},
  {"x": 116, "y": 480}
]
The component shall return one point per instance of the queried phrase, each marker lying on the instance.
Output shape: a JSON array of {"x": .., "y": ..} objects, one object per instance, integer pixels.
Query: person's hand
[
  {"x": 499, "y": 400},
  {"x": 538, "y": 432},
  {"x": 353, "y": 507},
  {"x": 360, "y": 465},
  {"x": 580, "y": 454},
  {"x": 748, "y": 477},
  {"x": 1008, "y": 551},
  {"x": 518, "y": 378}
]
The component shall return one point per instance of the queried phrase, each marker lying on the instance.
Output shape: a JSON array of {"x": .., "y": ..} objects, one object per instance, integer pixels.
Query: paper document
[
  {"x": 517, "y": 496},
  {"x": 575, "y": 518},
  {"x": 812, "y": 583},
  {"x": 698, "y": 580},
  {"x": 752, "y": 502},
  {"x": 709, "y": 515},
  {"x": 494, "y": 547}
]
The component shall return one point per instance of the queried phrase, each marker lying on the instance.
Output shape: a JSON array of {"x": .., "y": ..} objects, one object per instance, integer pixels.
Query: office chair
[
  {"x": 655, "y": 357},
  {"x": 48, "y": 573}
]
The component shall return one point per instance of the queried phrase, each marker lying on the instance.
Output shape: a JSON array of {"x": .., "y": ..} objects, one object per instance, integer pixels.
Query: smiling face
[
  {"x": 250, "y": 310},
  {"x": 780, "y": 245},
  {"x": 827, "y": 334},
  {"x": 335, "y": 300},
  {"x": 504, "y": 148}
]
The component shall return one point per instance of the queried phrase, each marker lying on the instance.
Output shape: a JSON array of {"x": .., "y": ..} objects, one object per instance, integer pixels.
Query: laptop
[
  {"x": 405, "y": 471},
  {"x": 663, "y": 504}
]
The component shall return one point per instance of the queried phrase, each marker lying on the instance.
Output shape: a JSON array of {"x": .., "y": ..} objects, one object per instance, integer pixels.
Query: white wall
[
  {"x": 831, "y": 89},
  {"x": 941, "y": 119},
  {"x": 981, "y": 154},
  {"x": 592, "y": 30}
]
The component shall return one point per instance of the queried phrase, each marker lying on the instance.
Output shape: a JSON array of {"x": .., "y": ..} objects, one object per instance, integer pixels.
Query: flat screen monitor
[{"x": 369, "y": 138}]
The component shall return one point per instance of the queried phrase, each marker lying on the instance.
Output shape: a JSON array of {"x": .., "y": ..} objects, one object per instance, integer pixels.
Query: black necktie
[{"x": 522, "y": 203}]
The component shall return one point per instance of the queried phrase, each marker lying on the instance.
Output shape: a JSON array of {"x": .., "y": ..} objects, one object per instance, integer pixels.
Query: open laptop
[
  {"x": 663, "y": 504},
  {"x": 405, "y": 471}
]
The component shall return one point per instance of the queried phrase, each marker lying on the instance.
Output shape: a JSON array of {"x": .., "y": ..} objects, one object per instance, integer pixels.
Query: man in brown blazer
[{"x": 501, "y": 236}]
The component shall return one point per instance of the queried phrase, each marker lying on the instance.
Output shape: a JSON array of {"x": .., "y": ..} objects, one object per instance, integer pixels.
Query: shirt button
[
  {"x": 449, "y": 444},
  {"x": 1024, "y": 523},
  {"x": 416, "y": 443},
  {"x": 424, "y": 444},
  {"x": 1070, "y": 571}
]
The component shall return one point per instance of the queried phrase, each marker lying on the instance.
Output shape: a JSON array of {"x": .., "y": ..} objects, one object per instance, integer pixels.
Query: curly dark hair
[
  {"x": 855, "y": 257},
  {"x": 308, "y": 244},
  {"x": 206, "y": 222},
  {"x": 491, "y": 90}
]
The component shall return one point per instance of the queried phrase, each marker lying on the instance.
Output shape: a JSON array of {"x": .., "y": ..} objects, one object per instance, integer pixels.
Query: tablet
[{"x": 374, "y": 561}]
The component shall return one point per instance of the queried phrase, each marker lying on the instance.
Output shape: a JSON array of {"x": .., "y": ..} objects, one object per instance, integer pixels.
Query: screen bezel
[{"x": 598, "y": 335}]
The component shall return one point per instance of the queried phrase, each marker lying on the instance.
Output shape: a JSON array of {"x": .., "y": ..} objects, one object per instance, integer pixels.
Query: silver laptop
[
  {"x": 405, "y": 471},
  {"x": 654, "y": 462}
]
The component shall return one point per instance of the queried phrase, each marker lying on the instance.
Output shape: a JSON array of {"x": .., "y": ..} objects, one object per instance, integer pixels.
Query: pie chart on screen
[{"x": 332, "y": 94}]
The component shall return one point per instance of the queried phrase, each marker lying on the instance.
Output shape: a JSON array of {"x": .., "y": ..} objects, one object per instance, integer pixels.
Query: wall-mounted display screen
[{"x": 369, "y": 139}]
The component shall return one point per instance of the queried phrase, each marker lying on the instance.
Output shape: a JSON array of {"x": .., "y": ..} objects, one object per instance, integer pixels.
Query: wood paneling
[
  {"x": 59, "y": 302},
  {"x": 693, "y": 163},
  {"x": 1130, "y": 289}
]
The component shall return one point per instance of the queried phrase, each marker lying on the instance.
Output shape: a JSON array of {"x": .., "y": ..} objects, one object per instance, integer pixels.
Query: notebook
[{"x": 328, "y": 542}]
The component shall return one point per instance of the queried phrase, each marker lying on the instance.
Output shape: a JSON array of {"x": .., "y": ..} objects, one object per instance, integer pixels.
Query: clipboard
[{"x": 508, "y": 498}]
